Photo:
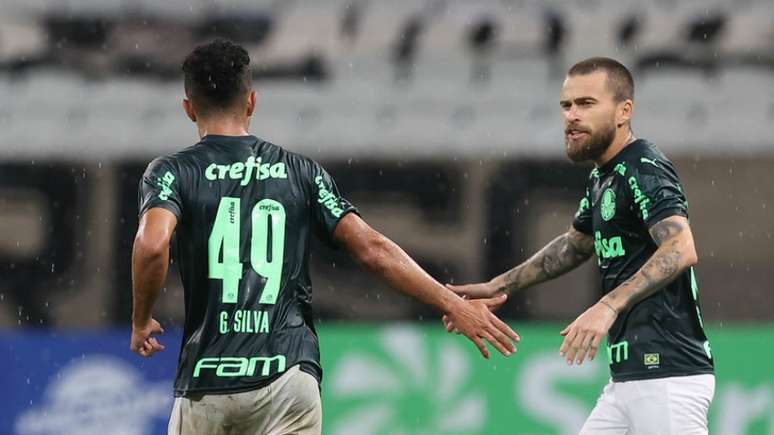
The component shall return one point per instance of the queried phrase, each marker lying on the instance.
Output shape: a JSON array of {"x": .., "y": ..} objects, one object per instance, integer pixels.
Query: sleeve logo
[
  {"x": 639, "y": 198},
  {"x": 165, "y": 183},
  {"x": 327, "y": 198}
]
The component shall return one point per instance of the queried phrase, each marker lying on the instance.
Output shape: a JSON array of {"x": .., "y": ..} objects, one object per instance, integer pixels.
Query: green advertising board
[{"x": 416, "y": 379}]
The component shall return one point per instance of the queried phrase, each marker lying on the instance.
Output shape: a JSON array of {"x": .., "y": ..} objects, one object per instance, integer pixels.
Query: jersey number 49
[{"x": 267, "y": 247}]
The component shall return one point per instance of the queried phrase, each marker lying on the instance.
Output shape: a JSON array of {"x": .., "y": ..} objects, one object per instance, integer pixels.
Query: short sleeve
[
  {"x": 656, "y": 191},
  {"x": 159, "y": 187},
  {"x": 327, "y": 204},
  {"x": 582, "y": 221}
]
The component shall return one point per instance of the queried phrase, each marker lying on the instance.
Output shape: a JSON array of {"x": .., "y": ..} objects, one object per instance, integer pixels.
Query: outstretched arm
[
  {"x": 150, "y": 261},
  {"x": 558, "y": 257},
  {"x": 675, "y": 254},
  {"x": 382, "y": 257},
  {"x": 561, "y": 255}
]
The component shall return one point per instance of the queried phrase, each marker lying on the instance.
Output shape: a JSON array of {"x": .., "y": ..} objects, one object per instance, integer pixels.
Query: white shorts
[
  {"x": 666, "y": 406},
  {"x": 289, "y": 405}
]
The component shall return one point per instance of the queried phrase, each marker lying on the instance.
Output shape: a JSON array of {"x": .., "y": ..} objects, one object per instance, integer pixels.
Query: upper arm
[
  {"x": 674, "y": 234},
  {"x": 670, "y": 230},
  {"x": 156, "y": 228},
  {"x": 328, "y": 207},
  {"x": 160, "y": 187},
  {"x": 656, "y": 191},
  {"x": 582, "y": 222}
]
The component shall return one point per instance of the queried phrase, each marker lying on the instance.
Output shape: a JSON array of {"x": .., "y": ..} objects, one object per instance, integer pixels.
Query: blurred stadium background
[{"x": 440, "y": 120}]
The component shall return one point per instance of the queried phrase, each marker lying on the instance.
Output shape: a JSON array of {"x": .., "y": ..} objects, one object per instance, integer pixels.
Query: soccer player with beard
[
  {"x": 634, "y": 217},
  {"x": 244, "y": 211}
]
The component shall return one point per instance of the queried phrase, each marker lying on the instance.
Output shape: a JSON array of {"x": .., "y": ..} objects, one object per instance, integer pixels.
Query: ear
[
  {"x": 624, "y": 112},
  {"x": 189, "y": 109},
  {"x": 251, "y": 103}
]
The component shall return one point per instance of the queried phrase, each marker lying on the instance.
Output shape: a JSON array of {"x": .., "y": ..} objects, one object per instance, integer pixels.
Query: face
[{"x": 590, "y": 117}]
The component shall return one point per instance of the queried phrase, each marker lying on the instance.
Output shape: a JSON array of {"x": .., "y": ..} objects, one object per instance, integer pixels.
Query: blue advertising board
[{"x": 84, "y": 383}]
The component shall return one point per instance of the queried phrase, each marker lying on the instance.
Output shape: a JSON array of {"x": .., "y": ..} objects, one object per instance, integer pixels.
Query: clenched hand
[{"x": 143, "y": 341}]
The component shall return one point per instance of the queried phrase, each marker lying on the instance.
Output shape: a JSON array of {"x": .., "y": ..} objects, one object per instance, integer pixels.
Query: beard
[{"x": 593, "y": 147}]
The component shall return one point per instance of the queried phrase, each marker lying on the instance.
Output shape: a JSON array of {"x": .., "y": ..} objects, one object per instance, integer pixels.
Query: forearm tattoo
[
  {"x": 561, "y": 255},
  {"x": 658, "y": 271}
]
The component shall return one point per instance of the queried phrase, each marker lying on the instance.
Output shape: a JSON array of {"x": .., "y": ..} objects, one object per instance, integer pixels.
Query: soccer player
[
  {"x": 244, "y": 211},
  {"x": 634, "y": 217}
]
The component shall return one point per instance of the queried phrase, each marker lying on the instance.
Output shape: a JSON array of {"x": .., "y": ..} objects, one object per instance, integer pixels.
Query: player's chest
[
  {"x": 610, "y": 202},
  {"x": 615, "y": 220}
]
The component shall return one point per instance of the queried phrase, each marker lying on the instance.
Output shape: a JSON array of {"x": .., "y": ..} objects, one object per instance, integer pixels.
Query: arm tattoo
[
  {"x": 665, "y": 230},
  {"x": 663, "y": 267},
  {"x": 561, "y": 255}
]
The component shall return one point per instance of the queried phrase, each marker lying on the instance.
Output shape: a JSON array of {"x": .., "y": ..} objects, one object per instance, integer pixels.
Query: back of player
[{"x": 246, "y": 210}]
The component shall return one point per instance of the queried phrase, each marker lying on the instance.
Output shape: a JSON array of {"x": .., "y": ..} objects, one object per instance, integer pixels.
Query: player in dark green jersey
[
  {"x": 634, "y": 218},
  {"x": 244, "y": 211}
]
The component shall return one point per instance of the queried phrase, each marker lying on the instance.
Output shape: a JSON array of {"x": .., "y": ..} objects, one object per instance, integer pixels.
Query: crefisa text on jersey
[
  {"x": 246, "y": 171},
  {"x": 244, "y": 321}
]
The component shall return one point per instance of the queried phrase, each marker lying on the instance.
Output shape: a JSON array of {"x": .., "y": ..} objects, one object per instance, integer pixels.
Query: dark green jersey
[
  {"x": 246, "y": 211},
  {"x": 663, "y": 334}
]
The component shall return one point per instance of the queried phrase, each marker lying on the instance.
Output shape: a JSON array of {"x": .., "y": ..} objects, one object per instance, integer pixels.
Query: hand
[
  {"x": 482, "y": 290},
  {"x": 585, "y": 334},
  {"x": 475, "y": 320},
  {"x": 143, "y": 343}
]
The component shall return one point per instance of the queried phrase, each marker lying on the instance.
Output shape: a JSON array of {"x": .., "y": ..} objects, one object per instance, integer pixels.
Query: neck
[
  {"x": 623, "y": 137},
  {"x": 224, "y": 125}
]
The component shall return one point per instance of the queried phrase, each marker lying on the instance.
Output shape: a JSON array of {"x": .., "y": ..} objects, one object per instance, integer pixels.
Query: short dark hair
[
  {"x": 216, "y": 74},
  {"x": 619, "y": 79}
]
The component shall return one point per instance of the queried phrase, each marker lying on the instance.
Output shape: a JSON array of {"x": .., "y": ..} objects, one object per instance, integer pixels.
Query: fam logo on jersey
[
  {"x": 96, "y": 395},
  {"x": 608, "y": 204},
  {"x": 407, "y": 384}
]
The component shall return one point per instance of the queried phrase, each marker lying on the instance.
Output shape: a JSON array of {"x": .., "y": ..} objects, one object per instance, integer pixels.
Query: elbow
[
  {"x": 372, "y": 256},
  {"x": 691, "y": 259},
  {"x": 150, "y": 249},
  {"x": 689, "y": 256}
]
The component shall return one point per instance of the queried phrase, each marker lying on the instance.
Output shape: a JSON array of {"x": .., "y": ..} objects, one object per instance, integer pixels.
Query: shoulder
[
  {"x": 160, "y": 164},
  {"x": 178, "y": 158},
  {"x": 646, "y": 158},
  {"x": 176, "y": 166},
  {"x": 285, "y": 154},
  {"x": 296, "y": 162}
]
